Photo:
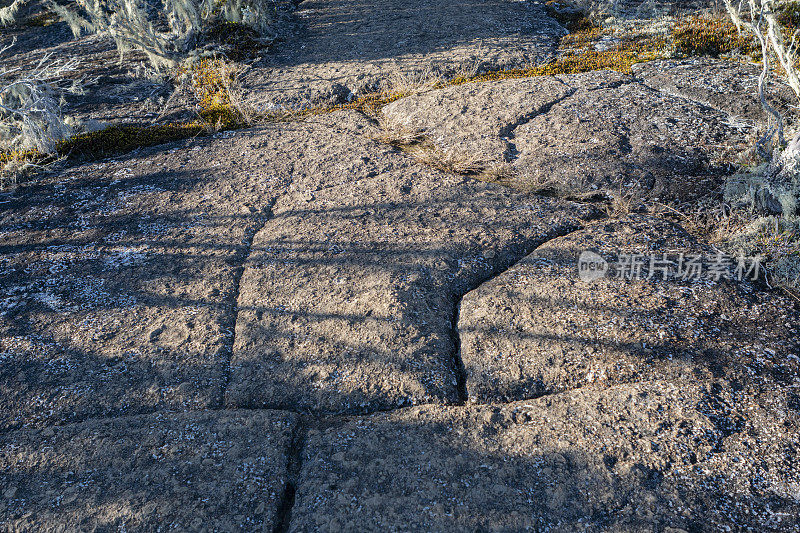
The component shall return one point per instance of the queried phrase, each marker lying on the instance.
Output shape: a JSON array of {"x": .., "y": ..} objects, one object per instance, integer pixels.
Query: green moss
[{"x": 119, "y": 139}]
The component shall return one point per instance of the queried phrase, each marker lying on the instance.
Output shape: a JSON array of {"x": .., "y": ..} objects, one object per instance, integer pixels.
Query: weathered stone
[
  {"x": 348, "y": 298},
  {"x": 630, "y": 458},
  {"x": 218, "y": 471},
  {"x": 349, "y": 48},
  {"x": 727, "y": 86},
  {"x": 119, "y": 278},
  {"x": 582, "y": 131},
  {"x": 538, "y": 329},
  {"x": 476, "y": 119}
]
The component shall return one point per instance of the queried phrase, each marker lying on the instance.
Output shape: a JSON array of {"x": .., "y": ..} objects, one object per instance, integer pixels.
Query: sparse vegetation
[
  {"x": 31, "y": 122},
  {"x": 769, "y": 192},
  {"x": 710, "y": 36},
  {"x": 212, "y": 82},
  {"x": 178, "y": 29},
  {"x": 8, "y": 14}
]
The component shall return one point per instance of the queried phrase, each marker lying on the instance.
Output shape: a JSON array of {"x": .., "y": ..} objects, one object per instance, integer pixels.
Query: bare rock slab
[
  {"x": 348, "y": 298},
  {"x": 641, "y": 457},
  {"x": 348, "y": 48},
  {"x": 538, "y": 329},
  {"x": 582, "y": 131},
  {"x": 119, "y": 278},
  {"x": 217, "y": 471},
  {"x": 727, "y": 86}
]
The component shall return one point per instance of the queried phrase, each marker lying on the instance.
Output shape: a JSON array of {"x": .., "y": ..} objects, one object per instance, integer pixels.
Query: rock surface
[
  {"x": 349, "y": 48},
  {"x": 727, "y": 86},
  {"x": 348, "y": 297},
  {"x": 582, "y": 131},
  {"x": 215, "y": 471},
  {"x": 650, "y": 456},
  {"x": 152, "y": 304},
  {"x": 538, "y": 329},
  {"x": 119, "y": 279}
]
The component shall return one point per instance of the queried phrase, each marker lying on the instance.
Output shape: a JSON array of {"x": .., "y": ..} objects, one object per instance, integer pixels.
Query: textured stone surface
[
  {"x": 727, "y": 86},
  {"x": 119, "y": 278},
  {"x": 305, "y": 266},
  {"x": 217, "y": 471},
  {"x": 600, "y": 129},
  {"x": 348, "y": 297},
  {"x": 538, "y": 329},
  {"x": 644, "y": 457},
  {"x": 346, "y": 48}
]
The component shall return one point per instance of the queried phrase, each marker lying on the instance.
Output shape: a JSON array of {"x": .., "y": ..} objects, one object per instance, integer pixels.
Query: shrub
[
  {"x": 169, "y": 33},
  {"x": 771, "y": 190},
  {"x": 8, "y": 14},
  {"x": 212, "y": 82},
  {"x": 30, "y": 110}
]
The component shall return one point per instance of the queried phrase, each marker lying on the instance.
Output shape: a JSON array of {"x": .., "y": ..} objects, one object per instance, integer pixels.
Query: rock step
[
  {"x": 685, "y": 455},
  {"x": 299, "y": 265}
]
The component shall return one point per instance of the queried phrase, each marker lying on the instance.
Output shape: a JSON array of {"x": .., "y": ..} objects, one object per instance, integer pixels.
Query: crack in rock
[
  {"x": 506, "y": 133},
  {"x": 458, "y": 363},
  {"x": 230, "y": 324},
  {"x": 294, "y": 464}
]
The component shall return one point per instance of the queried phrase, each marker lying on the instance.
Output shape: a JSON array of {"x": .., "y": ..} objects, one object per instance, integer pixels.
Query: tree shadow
[{"x": 562, "y": 466}]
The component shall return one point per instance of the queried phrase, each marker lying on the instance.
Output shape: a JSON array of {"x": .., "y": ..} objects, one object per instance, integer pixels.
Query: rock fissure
[
  {"x": 294, "y": 463},
  {"x": 458, "y": 363},
  {"x": 507, "y": 132},
  {"x": 266, "y": 215}
]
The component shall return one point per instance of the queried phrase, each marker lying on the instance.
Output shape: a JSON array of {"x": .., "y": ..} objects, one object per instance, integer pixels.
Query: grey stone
[
  {"x": 727, "y": 86},
  {"x": 119, "y": 278},
  {"x": 216, "y": 471},
  {"x": 582, "y": 131},
  {"x": 637, "y": 457},
  {"x": 367, "y": 47},
  {"x": 538, "y": 329},
  {"x": 347, "y": 300}
]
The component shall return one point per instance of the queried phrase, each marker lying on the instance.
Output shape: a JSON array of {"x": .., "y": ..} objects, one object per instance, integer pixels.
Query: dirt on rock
[
  {"x": 649, "y": 456},
  {"x": 345, "y": 49}
]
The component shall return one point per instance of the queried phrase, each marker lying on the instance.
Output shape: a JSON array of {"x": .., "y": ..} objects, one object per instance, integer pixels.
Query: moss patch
[
  {"x": 119, "y": 139},
  {"x": 789, "y": 15},
  {"x": 211, "y": 81}
]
